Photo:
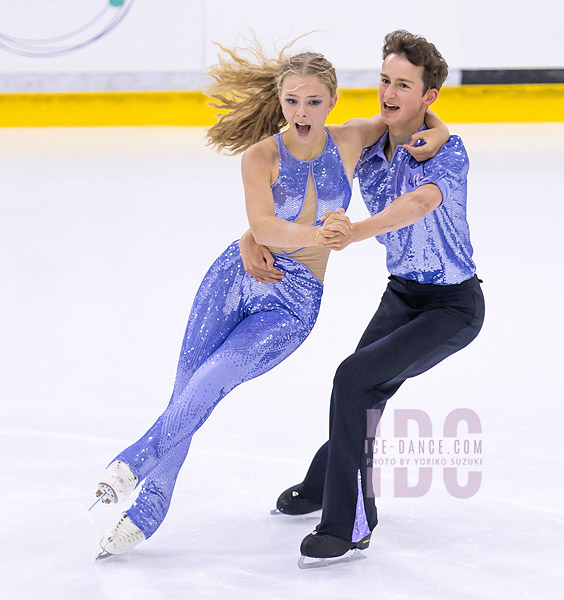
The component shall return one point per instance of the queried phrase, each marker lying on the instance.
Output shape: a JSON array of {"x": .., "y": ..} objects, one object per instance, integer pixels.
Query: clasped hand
[{"x": 336, "y": 231}]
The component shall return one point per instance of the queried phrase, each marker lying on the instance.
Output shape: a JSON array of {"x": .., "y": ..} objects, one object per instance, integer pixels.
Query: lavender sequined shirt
[{"x": 437, "y": 248}]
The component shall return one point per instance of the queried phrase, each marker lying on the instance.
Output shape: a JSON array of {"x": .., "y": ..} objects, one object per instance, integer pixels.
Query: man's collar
[{"x": 376, "y": 149}]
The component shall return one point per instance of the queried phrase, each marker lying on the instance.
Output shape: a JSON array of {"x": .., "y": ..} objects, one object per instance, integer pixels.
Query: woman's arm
[
  {"x": 266, "y": 227},
  {"x": 369, "y": 130},
  {"x": 423, "y": 145},
  {"x": 430, "y": 140}
]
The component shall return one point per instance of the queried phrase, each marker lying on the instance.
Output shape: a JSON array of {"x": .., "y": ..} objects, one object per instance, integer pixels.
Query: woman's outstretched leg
[
  {"x": 212, "y": 317},
  {"x": 254, "y": 347},
  {"x": 269, "y": 331}
]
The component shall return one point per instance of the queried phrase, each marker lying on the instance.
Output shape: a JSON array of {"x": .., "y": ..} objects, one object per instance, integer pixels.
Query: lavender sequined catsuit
[{"x": 238, "y": 328}]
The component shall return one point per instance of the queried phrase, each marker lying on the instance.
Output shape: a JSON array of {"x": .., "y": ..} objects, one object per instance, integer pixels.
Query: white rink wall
[{"x": 172, "y": 35}]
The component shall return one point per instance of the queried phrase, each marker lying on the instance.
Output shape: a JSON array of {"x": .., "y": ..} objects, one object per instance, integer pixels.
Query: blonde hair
[{"x": 246, "y": 84}]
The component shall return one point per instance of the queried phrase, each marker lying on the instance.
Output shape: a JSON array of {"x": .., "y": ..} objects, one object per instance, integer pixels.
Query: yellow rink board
[{"x": 464, "y": 104}]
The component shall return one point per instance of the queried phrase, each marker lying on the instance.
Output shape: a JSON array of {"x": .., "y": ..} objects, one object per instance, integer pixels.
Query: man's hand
[
  {"x": 336, "y": 232},
  {"x": 257, "y": 260}
]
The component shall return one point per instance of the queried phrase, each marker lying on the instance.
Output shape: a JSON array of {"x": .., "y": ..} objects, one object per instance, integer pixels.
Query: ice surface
[{"x": 104, "y": 237}]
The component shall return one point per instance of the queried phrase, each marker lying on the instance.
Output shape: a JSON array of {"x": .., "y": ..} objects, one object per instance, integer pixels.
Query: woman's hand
[
  {"x": 336, "y": 231},
  {"x": 423, "y": 145},
  {"x": 258, "y": 260}
]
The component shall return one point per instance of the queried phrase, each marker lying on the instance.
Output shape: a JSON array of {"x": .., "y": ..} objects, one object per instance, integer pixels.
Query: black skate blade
[
  {"x": 103, "y": 555},
  {"x": 308, "y": 562}
]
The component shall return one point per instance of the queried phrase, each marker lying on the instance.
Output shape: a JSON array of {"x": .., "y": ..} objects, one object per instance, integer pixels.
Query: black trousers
[{"x": 415, "y": 327}]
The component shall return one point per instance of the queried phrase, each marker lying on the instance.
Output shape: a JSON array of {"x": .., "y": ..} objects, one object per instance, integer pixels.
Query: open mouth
[
  {"x": 390, "y": 107},
  {"x": 302, "y": 129}
]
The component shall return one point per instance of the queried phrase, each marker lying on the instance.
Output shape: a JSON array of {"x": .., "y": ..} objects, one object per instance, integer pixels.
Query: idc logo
[{"x": 413, "y": 456}]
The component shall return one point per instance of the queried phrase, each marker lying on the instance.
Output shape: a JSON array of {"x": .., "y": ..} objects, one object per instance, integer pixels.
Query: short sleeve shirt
[{"x": 437, "y": 248}]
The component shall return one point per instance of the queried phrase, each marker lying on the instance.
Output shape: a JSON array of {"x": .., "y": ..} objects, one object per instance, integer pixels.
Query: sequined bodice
[
  {"x": 292, "y": 203},
  {"x": 332, "y": 187}
]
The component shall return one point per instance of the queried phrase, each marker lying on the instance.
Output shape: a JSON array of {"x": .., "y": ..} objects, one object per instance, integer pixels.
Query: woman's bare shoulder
[
  {"x": 265, "y": 150},
  {"x": 261, "y": 159}
]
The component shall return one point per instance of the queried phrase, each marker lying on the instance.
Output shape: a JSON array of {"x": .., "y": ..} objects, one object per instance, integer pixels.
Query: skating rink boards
[{"x": 105, "y": 235}]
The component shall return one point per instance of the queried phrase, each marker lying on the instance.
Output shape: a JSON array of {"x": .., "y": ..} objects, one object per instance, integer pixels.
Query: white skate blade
[
  {"x": 104, "y": 555},
  {"x": 98, "y": 500},
  {"x": 308, "y": 562}
]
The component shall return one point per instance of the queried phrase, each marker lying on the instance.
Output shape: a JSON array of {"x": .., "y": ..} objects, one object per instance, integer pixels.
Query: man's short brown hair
[{"x": 419, "y": 52}]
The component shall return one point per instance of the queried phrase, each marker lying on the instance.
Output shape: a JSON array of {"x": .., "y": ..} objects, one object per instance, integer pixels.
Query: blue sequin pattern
[
  {"x": 436, "y": 249},
  {"x": 238, "y": 329},
  {"x": 332, "y": 186}
]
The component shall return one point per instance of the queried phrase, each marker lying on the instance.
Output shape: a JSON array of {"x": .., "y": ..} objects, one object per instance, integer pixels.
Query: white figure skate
[
  {"x": 120, "y": 538},
  {"x": 118, "y": 483}
]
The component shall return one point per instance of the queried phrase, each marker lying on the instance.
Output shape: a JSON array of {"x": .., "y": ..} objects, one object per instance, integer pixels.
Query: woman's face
[{"x": 306, "y": 101}]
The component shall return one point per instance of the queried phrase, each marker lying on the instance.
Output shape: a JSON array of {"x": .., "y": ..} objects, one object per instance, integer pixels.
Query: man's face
[{"x": 401, "y": 91}]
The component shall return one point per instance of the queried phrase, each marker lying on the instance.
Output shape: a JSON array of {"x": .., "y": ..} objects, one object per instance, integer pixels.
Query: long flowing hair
[{"x": 246, "y": 85}]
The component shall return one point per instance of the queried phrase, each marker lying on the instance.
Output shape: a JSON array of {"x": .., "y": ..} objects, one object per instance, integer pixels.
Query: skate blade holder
[
  {"x": 307, "y": 562},
  {"x": 105, "y": 494}
]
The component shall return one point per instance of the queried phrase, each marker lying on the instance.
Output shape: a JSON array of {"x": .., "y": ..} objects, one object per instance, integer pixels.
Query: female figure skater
[{"x": 239, "y": 327}]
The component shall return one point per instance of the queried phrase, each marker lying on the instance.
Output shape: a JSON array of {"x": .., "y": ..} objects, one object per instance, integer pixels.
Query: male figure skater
[{"x": 432, "y": 307}]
